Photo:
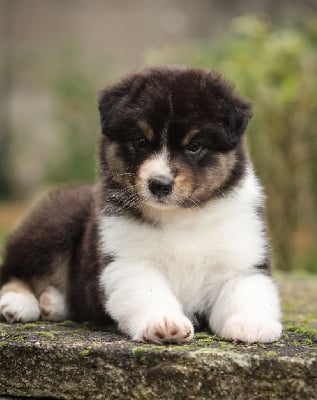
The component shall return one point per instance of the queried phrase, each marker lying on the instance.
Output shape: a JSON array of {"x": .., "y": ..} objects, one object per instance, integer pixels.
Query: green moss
[
  {"x": 301, "y": 329},
  {"x": 271, "y": 353},
  {"x": 48, "y": 335},
  {"x": 204, "y": 343},
  {"x": 3, "y": 345},
  {"x": 20, "y": 338},
  {"x": 26, "y": 327},
  {"x": 203, "y": 335},
  {"x": 84, "y": 353},
  {"x": 83, "y": 329},
  {"x": 158, "y": 347},
  {"x": 206, "y": 340},
  {"x": 97, "y": 345},
  {"x": 308, "y": 341},
  {"x": 203, "y": 339},
  {"x": 178, "y": 347},
  {"x": 67, "y": 323},
  {"x": 139, "y": 353},
  {"x": 226, "y": 345}
]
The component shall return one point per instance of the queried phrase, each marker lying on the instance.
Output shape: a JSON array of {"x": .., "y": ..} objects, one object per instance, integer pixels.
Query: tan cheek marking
[
  {"x": 184, "y": 181},
  {"x": 143, "y": 175},
  {"x": 147, "y": 130},
  {"x": 189, "y": 136},
  {"x": 183, "y": 185},
  {"x": 226, "y": 164},
  {"x": 117, "y": 167},
  {"x": 217, "y": 175}
]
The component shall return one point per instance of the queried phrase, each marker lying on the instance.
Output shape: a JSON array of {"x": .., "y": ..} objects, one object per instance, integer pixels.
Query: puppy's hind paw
[
  {"x": 19, "y": 307},
  {"x": 53, "y": 305}
]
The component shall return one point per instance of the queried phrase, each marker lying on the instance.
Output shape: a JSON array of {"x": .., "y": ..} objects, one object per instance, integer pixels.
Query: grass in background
[
  {"x": 77, "y": 122},
  {"x": 3, "y": 235}
]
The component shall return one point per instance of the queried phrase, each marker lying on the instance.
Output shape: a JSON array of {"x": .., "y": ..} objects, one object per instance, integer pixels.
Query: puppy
[{"x": 172, "y": 234}]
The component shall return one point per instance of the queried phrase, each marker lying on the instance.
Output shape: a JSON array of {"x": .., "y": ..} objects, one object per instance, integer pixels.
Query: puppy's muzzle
[{"x": 160, "y": 186}]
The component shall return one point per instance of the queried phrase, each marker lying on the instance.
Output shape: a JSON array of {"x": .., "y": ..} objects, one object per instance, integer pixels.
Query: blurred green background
[{"x": 55, "y": 56}]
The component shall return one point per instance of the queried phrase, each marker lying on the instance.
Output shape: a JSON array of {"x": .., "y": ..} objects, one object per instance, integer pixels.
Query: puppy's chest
[
  {"x": 179, "y": 247},
  {"x": 186, "y": 254},
  {"x": 196, "y": 257}
]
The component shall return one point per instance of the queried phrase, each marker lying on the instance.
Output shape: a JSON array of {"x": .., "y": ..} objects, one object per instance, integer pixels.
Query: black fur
[
  {"x": 185, "y": 98},
  {"x": 173, "y": 101},
  {"x": 64, "y": 228}
]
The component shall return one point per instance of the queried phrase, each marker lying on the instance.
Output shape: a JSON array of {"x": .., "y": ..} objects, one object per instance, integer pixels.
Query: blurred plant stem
[
  {"x": 76, "y": 119},
  {"x": 5, "y": 92}
]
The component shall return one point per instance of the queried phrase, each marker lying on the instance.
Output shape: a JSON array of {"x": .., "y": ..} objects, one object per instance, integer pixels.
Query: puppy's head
[{"x": 171, "y": 137}]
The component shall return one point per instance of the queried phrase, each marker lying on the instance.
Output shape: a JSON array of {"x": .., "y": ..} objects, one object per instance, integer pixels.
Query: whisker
[
  {"x": 194, "y": 202},
  {"x": 125, "y": 173},
  {"x": 113, "y": 175}
]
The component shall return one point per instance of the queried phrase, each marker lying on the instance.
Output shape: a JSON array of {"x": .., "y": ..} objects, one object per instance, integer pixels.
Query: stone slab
[{"x": 79, "y": 361}]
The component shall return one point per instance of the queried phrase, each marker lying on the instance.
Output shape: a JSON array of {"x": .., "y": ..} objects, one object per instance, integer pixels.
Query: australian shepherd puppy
[{"x": 172, "y": 234}]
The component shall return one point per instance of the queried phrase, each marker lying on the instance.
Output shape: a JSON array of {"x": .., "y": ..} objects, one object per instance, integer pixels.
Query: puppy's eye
[
  {"x": 193, "y": 147},
  {"x": 141, "y": 143}
]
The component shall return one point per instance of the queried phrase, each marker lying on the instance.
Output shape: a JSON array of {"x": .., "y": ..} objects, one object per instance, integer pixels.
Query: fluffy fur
[{"x": 173, "y": 234}]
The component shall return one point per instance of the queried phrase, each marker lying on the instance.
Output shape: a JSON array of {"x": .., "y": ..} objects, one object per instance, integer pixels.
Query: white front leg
[
  {"x": 140, "y": 300},
  {"x": 247, "y": 309}
]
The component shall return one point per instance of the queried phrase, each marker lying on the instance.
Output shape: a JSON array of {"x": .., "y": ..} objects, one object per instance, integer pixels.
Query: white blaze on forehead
[{"x": 156, "y": 165}]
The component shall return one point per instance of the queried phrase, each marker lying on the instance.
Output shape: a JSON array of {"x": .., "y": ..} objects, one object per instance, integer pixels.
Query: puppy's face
[{"x": 171, "y": 138}]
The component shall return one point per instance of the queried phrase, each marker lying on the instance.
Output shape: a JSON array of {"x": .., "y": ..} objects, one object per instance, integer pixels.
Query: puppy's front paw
[
  {"x": 251, "y": 329},
  {"x": 19, "y": 307},
  {"x": 167, "y": 328}
]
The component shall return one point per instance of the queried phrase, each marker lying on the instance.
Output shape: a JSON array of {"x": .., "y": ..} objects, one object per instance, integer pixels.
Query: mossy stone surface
[{"x": 79, "y": 361}]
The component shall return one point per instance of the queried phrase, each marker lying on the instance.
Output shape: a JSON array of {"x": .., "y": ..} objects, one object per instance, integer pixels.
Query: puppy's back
[{"x": 48, "y": 234}]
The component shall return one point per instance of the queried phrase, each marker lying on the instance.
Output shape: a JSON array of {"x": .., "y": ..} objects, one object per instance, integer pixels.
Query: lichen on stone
[{"x": 73, "y": 361}]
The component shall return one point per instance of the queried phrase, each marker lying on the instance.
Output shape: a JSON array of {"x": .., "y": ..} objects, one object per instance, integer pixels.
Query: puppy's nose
[{"x": 161, "y": 186}]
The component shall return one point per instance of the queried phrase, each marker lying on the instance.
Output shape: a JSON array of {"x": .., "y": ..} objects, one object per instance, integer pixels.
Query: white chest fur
[{"x": 196, "y": 250}]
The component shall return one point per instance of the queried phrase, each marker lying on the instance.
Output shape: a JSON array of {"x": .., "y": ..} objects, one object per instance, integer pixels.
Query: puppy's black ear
[
  {"x": 236, "y": 118},
  {"x": 108, "y": 101}
]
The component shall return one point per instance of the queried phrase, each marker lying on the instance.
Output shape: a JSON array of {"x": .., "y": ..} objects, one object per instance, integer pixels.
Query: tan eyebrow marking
[
  {"x": 189, "y": 136},
  {"x": 147, "y": 130}
]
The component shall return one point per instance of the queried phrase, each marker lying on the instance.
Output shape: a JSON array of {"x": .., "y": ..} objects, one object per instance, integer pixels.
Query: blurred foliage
[
  {"x": 276, "y": 68},
  {"x": 5, "y": 182},
  {"x": 76, "y": 116}
]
